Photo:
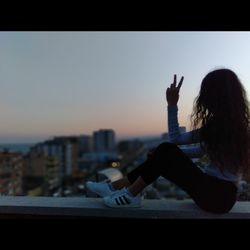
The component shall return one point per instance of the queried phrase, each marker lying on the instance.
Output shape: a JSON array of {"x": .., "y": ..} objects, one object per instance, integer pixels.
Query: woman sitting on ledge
[{"x": 220, "y": 124}]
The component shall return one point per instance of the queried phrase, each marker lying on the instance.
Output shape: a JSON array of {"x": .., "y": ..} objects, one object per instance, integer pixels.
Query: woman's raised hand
[{"x": 172, "y": 93}]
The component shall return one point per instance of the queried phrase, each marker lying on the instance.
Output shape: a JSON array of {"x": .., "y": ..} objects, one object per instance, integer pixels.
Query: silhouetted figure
[{"x": 220, "y": 125}]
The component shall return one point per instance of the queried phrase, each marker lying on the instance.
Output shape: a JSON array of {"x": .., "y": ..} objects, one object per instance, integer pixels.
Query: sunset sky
[{"x": 72, "y": 83}]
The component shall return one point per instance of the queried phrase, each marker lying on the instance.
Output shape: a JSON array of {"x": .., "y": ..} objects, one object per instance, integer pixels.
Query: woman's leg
[
  {"x": 124, "y": 182},
  {"x": 170, "y": 162}
]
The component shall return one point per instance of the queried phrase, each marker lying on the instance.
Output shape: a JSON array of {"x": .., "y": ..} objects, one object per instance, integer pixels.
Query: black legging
[{"x": 209, "y": 193}]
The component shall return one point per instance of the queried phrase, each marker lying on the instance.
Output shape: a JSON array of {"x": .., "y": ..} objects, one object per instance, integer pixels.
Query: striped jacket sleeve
[{"x": 182, "y": 138}]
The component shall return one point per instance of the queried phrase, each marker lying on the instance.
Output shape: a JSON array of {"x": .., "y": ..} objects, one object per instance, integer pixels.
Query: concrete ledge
[{"x": 94, "y": 208}]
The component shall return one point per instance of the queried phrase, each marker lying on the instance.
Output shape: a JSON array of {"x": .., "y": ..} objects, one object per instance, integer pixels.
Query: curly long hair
[{"x": 221, "y": 111}]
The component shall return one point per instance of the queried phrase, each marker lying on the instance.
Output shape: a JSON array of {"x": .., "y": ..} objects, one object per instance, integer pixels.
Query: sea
[{"x": 17, "y": 147}]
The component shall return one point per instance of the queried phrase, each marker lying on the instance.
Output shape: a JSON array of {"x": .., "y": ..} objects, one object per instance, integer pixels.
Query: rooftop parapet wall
[{"x": 15, "y": 206}]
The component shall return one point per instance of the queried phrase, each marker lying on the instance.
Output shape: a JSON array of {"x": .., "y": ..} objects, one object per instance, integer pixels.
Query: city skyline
[{"x": 72, "y": 83}]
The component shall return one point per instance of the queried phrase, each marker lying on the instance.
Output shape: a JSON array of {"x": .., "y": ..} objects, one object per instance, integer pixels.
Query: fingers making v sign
[{"x": 172, "y": 93}]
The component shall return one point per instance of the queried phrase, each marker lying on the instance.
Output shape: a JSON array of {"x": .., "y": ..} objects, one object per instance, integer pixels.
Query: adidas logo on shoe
[{"x": 122, "y": 199}]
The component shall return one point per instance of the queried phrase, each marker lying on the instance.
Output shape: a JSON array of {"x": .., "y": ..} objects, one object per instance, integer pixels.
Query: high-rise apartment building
[
  {"x": 11, "y": 171},
  {"x": 104, "y": 140}
]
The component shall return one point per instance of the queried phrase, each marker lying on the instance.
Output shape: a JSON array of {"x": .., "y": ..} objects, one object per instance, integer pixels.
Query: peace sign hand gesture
[{"x": 172, "y": 93}]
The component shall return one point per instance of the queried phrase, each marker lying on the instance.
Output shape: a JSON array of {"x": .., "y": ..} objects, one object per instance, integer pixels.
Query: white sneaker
[
  {"x": 121, "y": 199},
  {"x": 100, "y": 188}
]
